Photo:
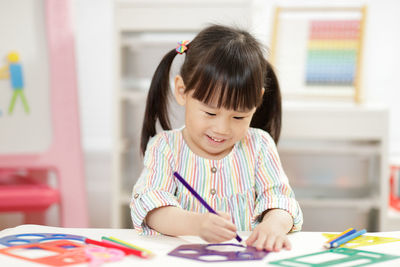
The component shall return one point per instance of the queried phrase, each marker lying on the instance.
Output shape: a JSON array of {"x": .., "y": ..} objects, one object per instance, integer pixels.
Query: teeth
[{"x": 216, "y": 140}]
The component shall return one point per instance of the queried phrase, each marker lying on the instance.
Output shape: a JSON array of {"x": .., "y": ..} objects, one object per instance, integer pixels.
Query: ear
[{"x": 179, "y": 90}]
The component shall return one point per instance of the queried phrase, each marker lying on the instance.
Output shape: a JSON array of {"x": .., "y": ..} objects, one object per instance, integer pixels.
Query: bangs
[{"x": 229, "y": 79}]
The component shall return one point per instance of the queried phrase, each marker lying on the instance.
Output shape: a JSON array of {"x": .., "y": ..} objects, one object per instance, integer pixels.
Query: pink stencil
[{"x": 63, "y": 253}]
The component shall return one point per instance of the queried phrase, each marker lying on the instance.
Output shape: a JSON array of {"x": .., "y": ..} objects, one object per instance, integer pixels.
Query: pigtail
[
  {"x": 268, "y": 115},
  {"x": 157, "y": 101}
]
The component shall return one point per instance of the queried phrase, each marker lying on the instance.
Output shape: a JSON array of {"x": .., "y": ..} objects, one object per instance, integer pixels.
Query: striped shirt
[{"x": 245, "y": 183}]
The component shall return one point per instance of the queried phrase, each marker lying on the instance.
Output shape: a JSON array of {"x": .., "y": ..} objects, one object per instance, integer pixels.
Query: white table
[{"x": 302, "y": 243}]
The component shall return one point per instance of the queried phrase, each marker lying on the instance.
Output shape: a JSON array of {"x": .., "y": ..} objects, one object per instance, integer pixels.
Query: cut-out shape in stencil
[
  {"x": 23, "y": 239},
  {"x": 188, "y": 251},
  {"x": 337, "y": 256},
  {"x": 228, "y": 247},
  {"x": 50, "y": 253},
  {"x": 212, "y": 258},
  {"x": 33, "y": 252},
  {"x": 364, "y": 240},
  {"x": 218, "y": 252}
]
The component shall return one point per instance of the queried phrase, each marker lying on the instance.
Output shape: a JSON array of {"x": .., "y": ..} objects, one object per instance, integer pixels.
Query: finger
[
  {"x": 227, "y": 234},
  {"x": 228, "y": 220},
  {"x": 225, "y": 215},
  {"x": 221, "y": 222},
  {"x": 278, "y": 244},
  {"x": 222, "y": 234},
  {"x": 223, "y": 228},
  {"x": 269, "y": 243},
  {"x": 211, "y": 238},
  {"x": 212, "y": 235},
  {"x": 260, "y": 241},
  {"x": 286, "y": 243},
  {"x": 250, "y": 240}
]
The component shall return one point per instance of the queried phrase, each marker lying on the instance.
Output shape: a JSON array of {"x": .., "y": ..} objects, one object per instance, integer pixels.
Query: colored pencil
[
  {"x": 199, "y": 198},
  {"x": 339, "y": 235},
  {"x": 328, "y": 244},
  {"x": 125, "y": 244},
  {"x": 127, "y": 251},
  {"x": 348, "y": 238},
  {"x": 122, "y": 246}
]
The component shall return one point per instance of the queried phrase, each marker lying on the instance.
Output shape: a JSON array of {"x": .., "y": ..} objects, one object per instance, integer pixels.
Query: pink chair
[{"x": 23, "y": 178}]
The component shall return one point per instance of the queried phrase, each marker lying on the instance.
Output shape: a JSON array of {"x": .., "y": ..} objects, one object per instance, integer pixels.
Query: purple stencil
[{"x": 203, "y": 252}]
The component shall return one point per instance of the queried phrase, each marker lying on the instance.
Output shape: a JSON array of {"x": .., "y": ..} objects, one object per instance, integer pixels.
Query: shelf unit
[
  {"x": 336, "y": 158},
  {"x": 144, "y": 32}
]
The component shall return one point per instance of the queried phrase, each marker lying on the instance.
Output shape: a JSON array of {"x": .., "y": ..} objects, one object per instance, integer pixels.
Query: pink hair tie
[{"x": 182, "y": 46}]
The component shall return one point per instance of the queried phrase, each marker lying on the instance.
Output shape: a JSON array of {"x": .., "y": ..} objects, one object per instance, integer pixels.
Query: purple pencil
[{"x": 199, "y": 198}]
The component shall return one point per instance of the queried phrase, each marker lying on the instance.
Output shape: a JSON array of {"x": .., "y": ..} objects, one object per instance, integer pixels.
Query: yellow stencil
[{"x": 364, "y": 240}]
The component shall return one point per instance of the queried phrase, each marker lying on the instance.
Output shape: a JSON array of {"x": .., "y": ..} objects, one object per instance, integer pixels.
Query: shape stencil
[
  {"x": 218, "y": 252},
  {"x": 337, "y": 256},
  {"x": 364, "y": 240}
]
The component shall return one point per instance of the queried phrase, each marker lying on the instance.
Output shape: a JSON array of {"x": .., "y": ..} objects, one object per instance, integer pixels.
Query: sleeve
[
  {"x": 155, "y": 187},
  {"x": 272, "y": 186}
]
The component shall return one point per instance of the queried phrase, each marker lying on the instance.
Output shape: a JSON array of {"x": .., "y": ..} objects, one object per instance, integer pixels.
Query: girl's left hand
[{"x": 271, "y": 233}]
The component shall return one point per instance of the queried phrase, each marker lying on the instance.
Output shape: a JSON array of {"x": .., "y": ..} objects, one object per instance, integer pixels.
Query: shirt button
[
  {"x": 213, "y": 191},
  {"x": 213, "y": 170},
  {"x": 136, "y": 196}
]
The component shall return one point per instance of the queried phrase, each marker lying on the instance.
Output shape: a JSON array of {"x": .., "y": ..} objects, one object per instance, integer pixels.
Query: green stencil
[{"x": 335, "y": 256}]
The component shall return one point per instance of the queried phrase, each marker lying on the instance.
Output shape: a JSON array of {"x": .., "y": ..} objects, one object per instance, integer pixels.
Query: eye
[
  {"x": 238, "y": 118},
  {"x": 210, "y": 114}
]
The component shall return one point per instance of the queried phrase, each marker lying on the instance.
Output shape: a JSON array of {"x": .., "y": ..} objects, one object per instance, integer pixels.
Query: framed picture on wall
[
  {"x": 25, "y": 90},
  {"x": 317, "y": 51}
]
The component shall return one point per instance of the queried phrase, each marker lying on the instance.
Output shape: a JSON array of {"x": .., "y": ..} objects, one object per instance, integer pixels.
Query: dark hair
[{"x": 222, "y": 62}]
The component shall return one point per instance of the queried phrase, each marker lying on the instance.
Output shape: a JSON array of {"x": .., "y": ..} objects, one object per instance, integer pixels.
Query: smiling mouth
[{"x": 216, "y": 139}]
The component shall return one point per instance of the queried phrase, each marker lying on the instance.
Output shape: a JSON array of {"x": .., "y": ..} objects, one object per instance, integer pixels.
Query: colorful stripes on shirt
[{"x": 245, "y": 183}]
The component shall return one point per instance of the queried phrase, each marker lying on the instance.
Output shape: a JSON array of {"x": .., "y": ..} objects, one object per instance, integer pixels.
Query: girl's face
[{"x": 211, "y": 132}]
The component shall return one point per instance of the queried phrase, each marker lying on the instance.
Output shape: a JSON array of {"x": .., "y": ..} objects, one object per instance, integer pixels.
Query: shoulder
[
  {"x": 256, "y": 142},
  {"x": 165, "y": 140},
  {"x": 259, "y": 137}
]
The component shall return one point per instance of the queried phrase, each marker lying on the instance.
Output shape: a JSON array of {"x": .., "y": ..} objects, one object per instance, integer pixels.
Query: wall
[
  {"x": 94, "y": 48},
  {"x": 94, "y": 40}
]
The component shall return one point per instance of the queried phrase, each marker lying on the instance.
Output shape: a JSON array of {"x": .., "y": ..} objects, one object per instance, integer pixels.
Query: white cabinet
[{"x": 336, "y": 158}]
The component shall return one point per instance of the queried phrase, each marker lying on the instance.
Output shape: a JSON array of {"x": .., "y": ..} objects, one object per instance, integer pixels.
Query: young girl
[{"x": 226, "y": 150}]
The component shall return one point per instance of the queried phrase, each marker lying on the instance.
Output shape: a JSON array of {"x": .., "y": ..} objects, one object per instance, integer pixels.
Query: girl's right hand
[{"x": 215, "y": 228}]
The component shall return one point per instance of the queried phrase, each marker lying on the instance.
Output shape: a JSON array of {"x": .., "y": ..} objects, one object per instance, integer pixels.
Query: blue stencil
[{"x": 24, "y": 239}]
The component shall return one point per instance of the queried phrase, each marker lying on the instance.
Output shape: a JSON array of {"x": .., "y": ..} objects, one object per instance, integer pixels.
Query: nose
[{"x": 222, "y": 126}]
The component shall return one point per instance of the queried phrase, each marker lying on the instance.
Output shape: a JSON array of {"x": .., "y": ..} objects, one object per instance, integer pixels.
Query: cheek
[
  {"x": 190, "y": 116},
  {"x": 241, "y": 128},
  {"x": 196, "y": 123}
]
